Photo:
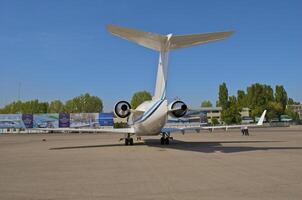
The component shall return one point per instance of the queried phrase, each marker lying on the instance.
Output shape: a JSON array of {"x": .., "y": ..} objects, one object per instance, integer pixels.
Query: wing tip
[{"x": 261, "y": 120}]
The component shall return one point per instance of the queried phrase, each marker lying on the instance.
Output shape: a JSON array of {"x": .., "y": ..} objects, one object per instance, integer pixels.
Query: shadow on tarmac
[
  {"x": 89, "y": 146},
  {"x": 203, "y": 147},
  {"x": 217, "y": 146}
]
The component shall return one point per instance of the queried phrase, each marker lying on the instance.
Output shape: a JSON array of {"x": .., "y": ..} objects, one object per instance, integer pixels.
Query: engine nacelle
[
  {"x": 178, "y": 108},
  {"x": 122, "y": 109}
]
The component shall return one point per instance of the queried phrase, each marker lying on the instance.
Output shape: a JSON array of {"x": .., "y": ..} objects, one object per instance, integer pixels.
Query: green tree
[
  {"x": 84, "y": 104},
  {"x": 223, "y": 101},
  {"x": 27, "y": 107},
  {"x": 281, "y": 97},
  {"x": 12, "y": 108},
  {"x": 93, "y": 104},
  {"x": 294, "y": 115},
  {"x": 258, "y": 98},
  {"x": 71, "y": 106},
  {"x": 289, "y": 111},
  {"x": 231, "y": 114},
  {"x": 217, "y": 103},
  {"x": 56, "y": 106},
  {"x": 274, "y": 109},
  {"x": 242, "y": 99},
  {"x": 292, "y": 102},
  {"x": 223, "y": 96},
  {"x": 42, "y": 107},
  {"x": 140, "y": 97},
  {"x": 206, "y": 104},
  {"x": 214, "y": 121}
]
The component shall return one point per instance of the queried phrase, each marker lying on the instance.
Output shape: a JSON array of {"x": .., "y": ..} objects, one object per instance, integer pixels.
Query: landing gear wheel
[
  {"x": 167, "y": 141},
  {"x": 128, "y": 139},
  {"x": 162, "y": 140}
]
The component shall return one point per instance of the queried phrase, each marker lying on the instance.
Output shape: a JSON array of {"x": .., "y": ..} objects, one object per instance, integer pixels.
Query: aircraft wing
[
  {"x": 88, "y": 130},
  {"x": 211, "y": 128}
]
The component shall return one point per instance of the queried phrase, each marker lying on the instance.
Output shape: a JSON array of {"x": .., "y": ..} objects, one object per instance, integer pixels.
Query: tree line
[
  {"x": 84, "y": 103},
  {"x": 257, "y": 97}
]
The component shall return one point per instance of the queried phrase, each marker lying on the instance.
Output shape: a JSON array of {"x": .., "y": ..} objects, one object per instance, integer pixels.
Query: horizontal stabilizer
[
  {"x": 165, "y": 42},
  {"x": 181, "y": 41},
  {"x": 149, "y": 40}
]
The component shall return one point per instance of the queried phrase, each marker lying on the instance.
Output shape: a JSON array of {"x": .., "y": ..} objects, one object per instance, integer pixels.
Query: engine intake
[
  {"x": 122, "y": 109},
  {"x": 178, "y": 109}
]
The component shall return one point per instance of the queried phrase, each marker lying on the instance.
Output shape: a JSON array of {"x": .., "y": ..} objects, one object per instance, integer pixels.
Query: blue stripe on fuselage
[
  {"x": 156, "y": 105},
  {"x": 147, "y": 114}
]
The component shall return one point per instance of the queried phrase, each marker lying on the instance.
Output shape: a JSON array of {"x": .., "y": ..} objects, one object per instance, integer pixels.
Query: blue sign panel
[
  {"x": 64, "y": 120},
  {"x": 46, "y": 120},
  {"x": 78, "y": 120},
  {"x": 28, "y": 120},
  {"x": 106, "y": 119},
  {"x": 11, "y": 121}
]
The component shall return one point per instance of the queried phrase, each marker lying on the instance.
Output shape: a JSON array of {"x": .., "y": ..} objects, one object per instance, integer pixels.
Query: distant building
[
  {"x": 215, "y": 112},
  {"x": 245, "y": 112},
  {"x": 212, "y": 112},
  {"x": 296, "y": 108}
]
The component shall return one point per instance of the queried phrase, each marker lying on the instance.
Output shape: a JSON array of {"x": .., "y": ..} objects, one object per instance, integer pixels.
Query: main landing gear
[
  {"x": 128, "y": 139},
  {"x": 165, "y": 139}
]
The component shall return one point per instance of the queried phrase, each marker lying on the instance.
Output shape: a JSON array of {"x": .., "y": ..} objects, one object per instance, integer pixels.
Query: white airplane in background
[{"x": 150, "y": 117}]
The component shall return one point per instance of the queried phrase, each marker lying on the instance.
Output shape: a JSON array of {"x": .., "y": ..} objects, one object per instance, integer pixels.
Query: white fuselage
[{"x": 152, "y": 120}]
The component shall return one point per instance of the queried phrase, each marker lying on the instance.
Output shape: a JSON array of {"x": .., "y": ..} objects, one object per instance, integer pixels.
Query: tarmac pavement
[{"x": 219, "y": 165}]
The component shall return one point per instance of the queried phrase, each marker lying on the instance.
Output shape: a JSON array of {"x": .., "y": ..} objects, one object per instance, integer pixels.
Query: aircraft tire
[
  {"x": 167, "y": 141},
  {"x": 162, "y": 140}
]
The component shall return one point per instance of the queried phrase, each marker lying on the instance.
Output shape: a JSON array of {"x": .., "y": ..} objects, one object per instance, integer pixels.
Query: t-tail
[{"x": 163, "y": 44}]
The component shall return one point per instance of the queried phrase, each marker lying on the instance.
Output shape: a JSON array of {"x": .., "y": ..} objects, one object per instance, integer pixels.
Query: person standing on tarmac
[{"x": 246, "y": 131}]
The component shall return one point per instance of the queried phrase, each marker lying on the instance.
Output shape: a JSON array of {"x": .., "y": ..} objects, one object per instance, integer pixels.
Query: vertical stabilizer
[
  {"x": 162, "y": 69},
  {"x": 161, "y": 78}
]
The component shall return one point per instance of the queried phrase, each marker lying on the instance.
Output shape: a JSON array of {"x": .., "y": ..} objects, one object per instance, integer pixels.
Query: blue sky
[{"x": 61, "y": 49}]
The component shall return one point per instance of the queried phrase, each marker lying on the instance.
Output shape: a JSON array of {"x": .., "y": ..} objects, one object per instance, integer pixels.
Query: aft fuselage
[{"x": 153, "y": 118}]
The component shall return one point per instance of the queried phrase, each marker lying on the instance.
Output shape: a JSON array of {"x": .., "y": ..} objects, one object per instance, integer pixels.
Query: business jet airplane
[{"x": 150, "y": 117}]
